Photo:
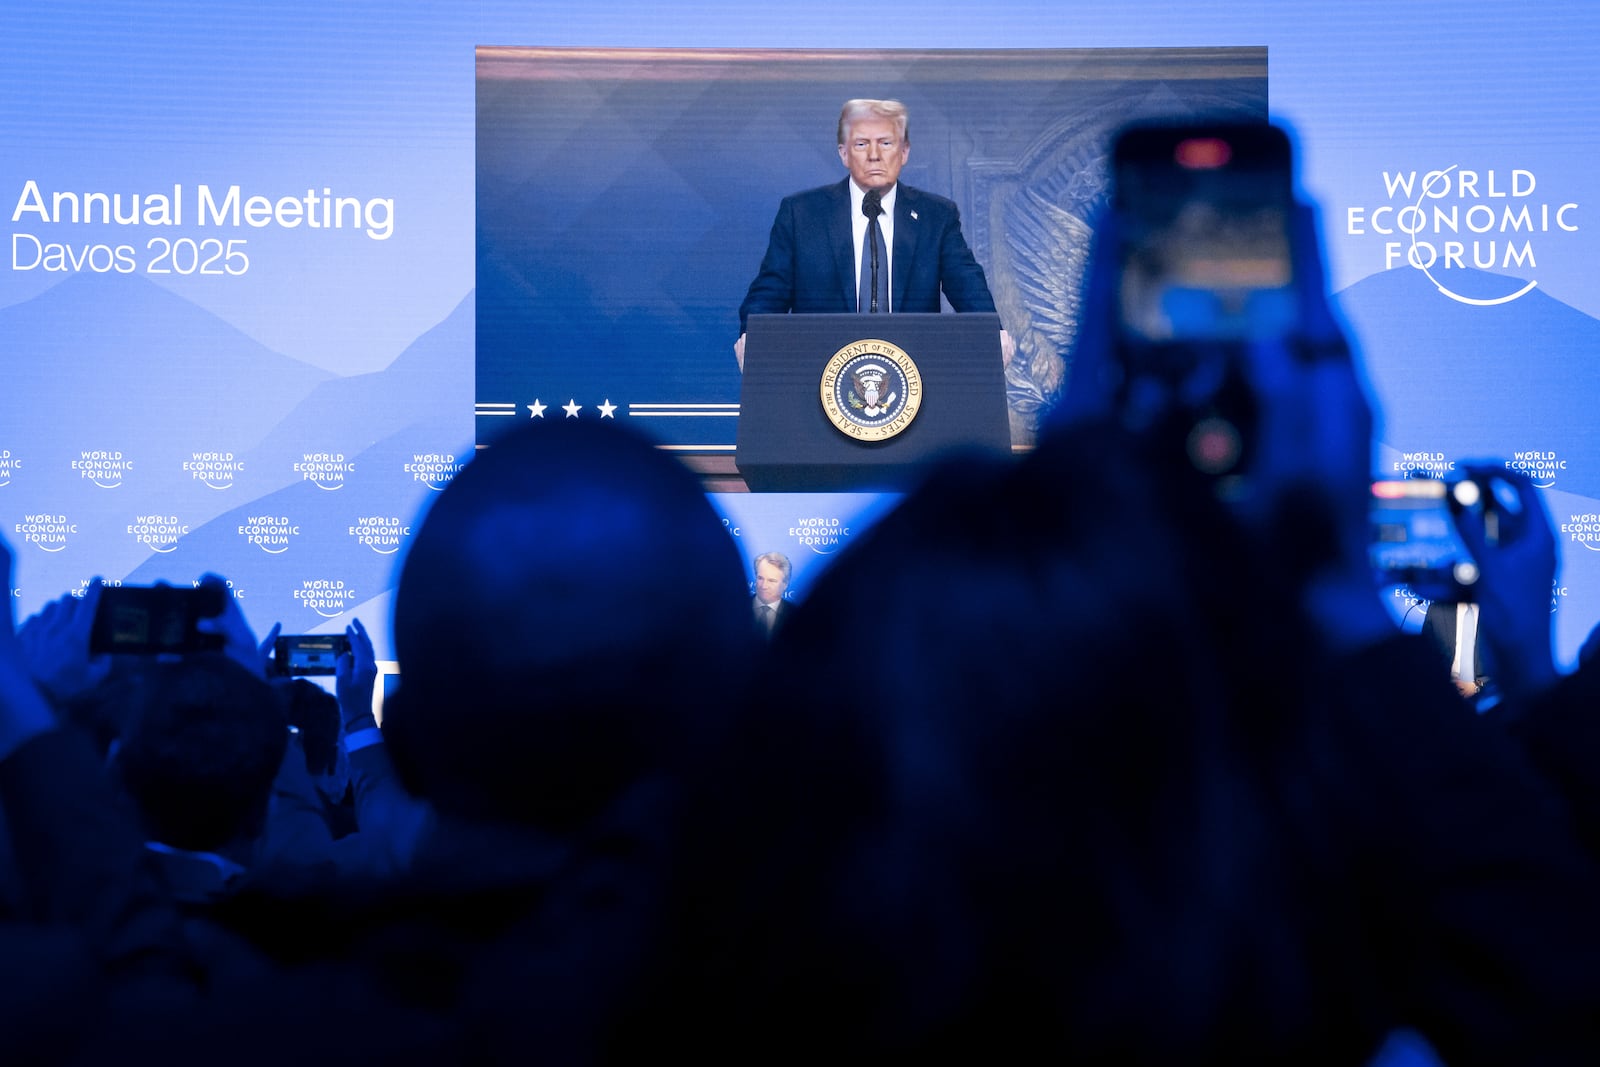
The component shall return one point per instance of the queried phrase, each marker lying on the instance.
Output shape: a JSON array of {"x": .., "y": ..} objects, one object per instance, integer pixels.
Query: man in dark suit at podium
[{"x": 868, "y": 243}]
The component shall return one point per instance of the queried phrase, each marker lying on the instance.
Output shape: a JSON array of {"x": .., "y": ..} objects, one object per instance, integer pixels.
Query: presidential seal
[{"x": 871, "y": 390}]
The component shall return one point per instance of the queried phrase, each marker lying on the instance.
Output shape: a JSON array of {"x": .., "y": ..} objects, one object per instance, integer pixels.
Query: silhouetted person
[
  {"x": 87, "y": 939},
  {"x": 555, "y": 623},
  {"x": 198, "y": 755},
  {"x": 1042, "y": 778}
]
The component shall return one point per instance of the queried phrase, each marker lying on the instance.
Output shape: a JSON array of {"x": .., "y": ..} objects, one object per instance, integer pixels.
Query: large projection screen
[{"x": 625, "y": 195}]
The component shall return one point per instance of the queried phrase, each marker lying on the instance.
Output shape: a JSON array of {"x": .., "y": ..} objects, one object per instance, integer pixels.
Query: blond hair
[{"x": 893, "y": 110}]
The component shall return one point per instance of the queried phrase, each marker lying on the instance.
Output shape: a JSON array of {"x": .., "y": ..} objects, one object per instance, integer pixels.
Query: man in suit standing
[
  {"x": 821, "y": 256},
  {"x": 1453, "y": 629},
  {"x": 772, "y": 581}
]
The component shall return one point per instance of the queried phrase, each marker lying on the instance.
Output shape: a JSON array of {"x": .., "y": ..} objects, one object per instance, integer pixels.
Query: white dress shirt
[{"x": 858, "y": 233}]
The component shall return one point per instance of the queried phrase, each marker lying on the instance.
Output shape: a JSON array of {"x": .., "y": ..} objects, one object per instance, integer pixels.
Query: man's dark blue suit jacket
[{"x": 810, "y": 262}]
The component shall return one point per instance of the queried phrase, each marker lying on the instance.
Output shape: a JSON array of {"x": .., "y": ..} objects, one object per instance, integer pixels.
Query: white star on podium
[
  {"x": 606, "y": 409},
  {"x": 536, "y": 409},
  {"x": 572, "y": 407}
]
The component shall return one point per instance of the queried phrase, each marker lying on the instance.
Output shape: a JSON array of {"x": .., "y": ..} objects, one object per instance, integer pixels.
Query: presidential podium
[{"x": 859, "y": 403}]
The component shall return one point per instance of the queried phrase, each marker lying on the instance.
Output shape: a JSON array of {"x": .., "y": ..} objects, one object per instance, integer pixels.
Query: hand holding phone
[
  {"x": 1204, "y": 248},
  {"x": 1221, "y": 346},
  {"x": 1415, "y": 541},
  {"x": 357, "y": 679},
  {"x": 56, "y": 641},
  {"x": 1435, "y": 535},
  {"x": 308, "y": 654},
  {"x": 1510, "y": 536},
  {"x": 160, "y": 619},
  {"x": 1205, "y": 270}
]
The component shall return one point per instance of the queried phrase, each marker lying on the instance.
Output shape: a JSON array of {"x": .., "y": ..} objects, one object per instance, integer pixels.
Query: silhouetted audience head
[
  {"x": 101, "y": 711},
  {"x": 202, "y": 745},
  {"x": 1007, "y": 798},
  {"x": 569, "y": 620}
]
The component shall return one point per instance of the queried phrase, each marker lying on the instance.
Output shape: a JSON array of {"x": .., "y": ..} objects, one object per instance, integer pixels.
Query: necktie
[
  {"x": 769, "y": 616},
  {"x": 1466, "y": 666},
  {"x": 874, "y": 258}
]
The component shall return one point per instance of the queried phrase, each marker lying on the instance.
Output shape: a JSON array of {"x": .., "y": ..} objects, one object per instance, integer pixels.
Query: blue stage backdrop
[{"x": 257, "y": 252}]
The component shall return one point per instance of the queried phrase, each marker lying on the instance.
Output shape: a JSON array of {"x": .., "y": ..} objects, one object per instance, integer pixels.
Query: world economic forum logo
[
  {"x": 1453, "y": 220},
  {"x": 325, "y": 470},
  {"x": 158, "y": 533},
  {"x": 106, "y": 469},
  {"x": 214, "y": 470},
  {"x": 1423, "y": 464},
  {"x": 49, "y": 532},
  {"x": 1541, "y": 466},
  {"x": 381, "y": 533},
  {"x": 271, "y": 533},
  {"x": 822, "y": 534},
  {"x": 1583, "y": 529},
  {"x": 433, "y": 469},
  {"x": 328, "y": 597}
]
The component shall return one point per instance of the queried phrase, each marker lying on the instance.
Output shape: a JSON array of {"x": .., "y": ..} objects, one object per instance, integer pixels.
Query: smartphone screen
[
  {"x": 1414, "y": 540},
  {"x": 154, "y": 620},
  {"x": 1203, "y": 218},
  {"x": 301, "y": 654}
]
